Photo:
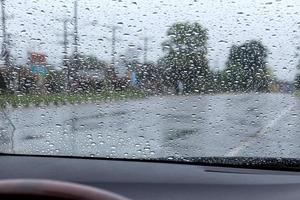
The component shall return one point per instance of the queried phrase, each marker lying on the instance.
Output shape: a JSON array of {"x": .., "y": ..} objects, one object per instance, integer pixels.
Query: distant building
[{"x": 92, "y": 73}]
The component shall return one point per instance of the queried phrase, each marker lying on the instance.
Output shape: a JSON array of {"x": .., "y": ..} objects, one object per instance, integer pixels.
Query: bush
[
  {"x": 297, "y": 82},
  {"x": 3, "y": 86}
]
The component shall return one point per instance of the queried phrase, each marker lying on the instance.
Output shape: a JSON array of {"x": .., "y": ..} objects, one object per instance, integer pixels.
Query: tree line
[
  {"x": 185, "y": 62},
  {"x": 183, "y": 66}
]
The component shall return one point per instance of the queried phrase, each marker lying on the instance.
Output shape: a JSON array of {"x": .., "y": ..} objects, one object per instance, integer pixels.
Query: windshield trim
[{"x": 252, "y": 163}]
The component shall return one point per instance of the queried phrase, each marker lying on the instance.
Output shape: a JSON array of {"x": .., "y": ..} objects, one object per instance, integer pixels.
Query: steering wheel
[{"x": 52, "y": 190}]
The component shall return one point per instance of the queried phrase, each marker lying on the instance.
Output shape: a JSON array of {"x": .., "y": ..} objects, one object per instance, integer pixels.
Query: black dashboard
[{"x": 153, "y": 180}]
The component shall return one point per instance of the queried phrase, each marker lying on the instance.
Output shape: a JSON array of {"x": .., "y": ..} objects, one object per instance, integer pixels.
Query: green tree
[
  {"x": 246, "y": 68},
  {"x": 186, "y": 57},
  {"x": 54, "y": 81},
  {"x": 82, "y": 69},
  {"x": 150, "y": 77},
  {"x": 297, "y": 79},
  {"x": 3, "y": 86},
  {"x": 216, "y": 82},
  {"x": 86, "y": 62}
]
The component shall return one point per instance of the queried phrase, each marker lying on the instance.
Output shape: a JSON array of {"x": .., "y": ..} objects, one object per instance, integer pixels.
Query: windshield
[{"x": 150, "y": 79}]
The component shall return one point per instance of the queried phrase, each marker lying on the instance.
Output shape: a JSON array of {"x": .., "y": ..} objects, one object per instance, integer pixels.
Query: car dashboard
[{"x": 154, "y": 180}]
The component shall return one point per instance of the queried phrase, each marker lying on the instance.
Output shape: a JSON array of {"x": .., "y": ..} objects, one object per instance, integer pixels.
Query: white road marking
[{"x": 235, "y": 151}]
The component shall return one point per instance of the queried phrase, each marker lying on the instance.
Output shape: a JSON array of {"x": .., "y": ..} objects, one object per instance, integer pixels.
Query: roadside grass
[
  {"x": 297, "y": 93},
  {"x": 64, "y": 98}
]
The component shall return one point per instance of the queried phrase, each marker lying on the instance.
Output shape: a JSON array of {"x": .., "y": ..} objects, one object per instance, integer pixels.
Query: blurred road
[{"x": 266, "y": 125}]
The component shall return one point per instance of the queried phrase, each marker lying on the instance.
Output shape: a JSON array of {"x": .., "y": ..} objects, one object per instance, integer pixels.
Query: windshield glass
[{"x": 150, "y": 79}]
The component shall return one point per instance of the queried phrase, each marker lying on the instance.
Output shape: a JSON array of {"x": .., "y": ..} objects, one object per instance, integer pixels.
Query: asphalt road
[{"x": 264, "y": 125}]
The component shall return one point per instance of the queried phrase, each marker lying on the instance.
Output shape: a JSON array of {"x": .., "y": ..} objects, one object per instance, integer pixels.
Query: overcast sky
[{"x": 35, "y": 26}]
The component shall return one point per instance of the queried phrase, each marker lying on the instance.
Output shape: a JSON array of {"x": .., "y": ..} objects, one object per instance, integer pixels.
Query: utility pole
[
  {"x": 65, "y": 43},
  {"x": 4, "y": 34},
  {"x": 5, "y": 54},
  {"x": 113, "y": 45},
  {"x": 111, "y": 70},
  {"x": 145, "y": 50},
  {"x": 65, "y": 52},
  {"x": 5, "y": 51},
  {"x": 76, "y": 29},
  {"x": 75, "y": 63}
]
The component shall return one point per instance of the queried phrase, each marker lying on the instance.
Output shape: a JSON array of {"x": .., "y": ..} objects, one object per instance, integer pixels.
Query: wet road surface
[{"x": 264, "y": 125}]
